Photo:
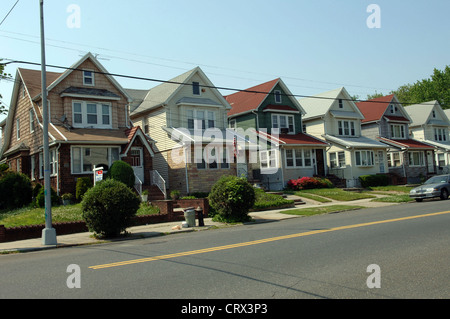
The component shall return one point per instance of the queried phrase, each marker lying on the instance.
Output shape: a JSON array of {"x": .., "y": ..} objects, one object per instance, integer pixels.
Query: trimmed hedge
[
  {"x": 374, "y": 180},
  {"x": 309, "y": 183},
  {"x": 15, "y": 190},
  {"x": 123, "y": 172}
]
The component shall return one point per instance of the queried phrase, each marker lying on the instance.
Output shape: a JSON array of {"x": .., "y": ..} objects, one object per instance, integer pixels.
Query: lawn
[
  {"x": 392, "y": 188},
  {"x": 334, "y": 193},
  {"x": 70, "y": 213},
  {"x": 396, "y": 198},
  {"x": 320, "y": 210}
]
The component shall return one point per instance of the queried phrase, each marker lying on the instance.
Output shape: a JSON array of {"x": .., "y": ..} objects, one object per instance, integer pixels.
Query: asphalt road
[{"x": 406, "y": 248}]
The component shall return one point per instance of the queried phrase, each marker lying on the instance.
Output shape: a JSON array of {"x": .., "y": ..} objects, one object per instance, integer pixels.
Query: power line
[
  {"x": 204, "y": 86},
  {"x": 9, "y": 12}
]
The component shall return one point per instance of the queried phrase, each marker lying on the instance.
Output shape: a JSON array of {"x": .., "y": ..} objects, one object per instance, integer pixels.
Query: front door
[
  {"x": 430, "y": 160},
  {"x": 381, "y": 161},
  {"x": 320, "y": 167},
  {"x": 137, "y": 162}
]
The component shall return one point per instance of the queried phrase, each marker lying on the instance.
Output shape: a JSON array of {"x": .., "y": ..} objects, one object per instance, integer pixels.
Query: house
[
  {"x": 271, "y": 110},
  {"x": 431, "y": 125},
  {"x": 89, "y": 126},
  {"x": 334, "y": 116},
  {"x": 386, "y": 119},
  {"x": 187, "y": 117}
]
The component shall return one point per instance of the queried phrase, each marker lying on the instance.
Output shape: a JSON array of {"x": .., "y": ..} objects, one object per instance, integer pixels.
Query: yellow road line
[{"x": 260, "y": 241}]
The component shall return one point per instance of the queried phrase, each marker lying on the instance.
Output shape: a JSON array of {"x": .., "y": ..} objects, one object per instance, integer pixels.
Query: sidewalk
[{"x": 154, "y": 230}]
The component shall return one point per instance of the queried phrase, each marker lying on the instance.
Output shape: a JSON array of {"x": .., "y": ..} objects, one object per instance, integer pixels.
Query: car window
[{"x": 437, "y": 179}]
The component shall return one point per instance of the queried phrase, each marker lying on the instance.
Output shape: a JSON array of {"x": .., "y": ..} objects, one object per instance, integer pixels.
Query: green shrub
[
  {"x": 15, "y": 190},
  {"x": 374, "y": 180},
  {"x": 309, "y": 183},
  {"x": 40, "y": 197},
  {"x": 231, "y": 198},
  {"x": 83, "y": 185},
  {"x": 265, "y": 200},
  {"x": 122, "y": 172},
  {"x": 109, "y": 207}
]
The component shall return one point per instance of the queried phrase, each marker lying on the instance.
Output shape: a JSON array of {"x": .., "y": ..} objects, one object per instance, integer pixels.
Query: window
[
  {"x": 53, "y": 161},
  {"x": 341, "y": 104},
  {"x": 88, "y": 77},
  {"x": 18, "y": 129},
  {"x": 89, "y": 114},
  {"x": 397, "y": 131},
  {"x": 232, "y": 124},
  {"x": 283, "y": 122},
  {"x": 441, "y": 159},
  {"x": 394, "y": 159},
  {"x": 31, "y": 115},
  {"x": 346, "y": 128},
  {"x": 195, "y": 118},
  {"x": 196, "y": 88},
  {"x": 416, "y": 159},
  {"x": 33, "y": 167},
  {"x": 298, "y": 158},
  {"x": 277, "y": 96},
  {"x": 337, "y": 159},
  {"x": 268, "y": 159},
  {"x": 364, "y": 158},
  {"x": 440, "y": 134},
  {"x": 85, "y": 158}
]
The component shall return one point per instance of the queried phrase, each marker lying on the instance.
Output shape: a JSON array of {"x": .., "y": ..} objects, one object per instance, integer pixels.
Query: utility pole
[{"x": 48, "y": 233}]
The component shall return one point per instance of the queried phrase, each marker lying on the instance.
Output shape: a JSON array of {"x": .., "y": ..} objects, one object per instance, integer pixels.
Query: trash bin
[
  {"x": 189, "y": 216},
  {"x": 199, "y": 212}
]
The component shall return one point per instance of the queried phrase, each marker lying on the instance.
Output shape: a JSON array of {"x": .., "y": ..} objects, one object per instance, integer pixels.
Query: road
[{"x": 399, "y": 251}]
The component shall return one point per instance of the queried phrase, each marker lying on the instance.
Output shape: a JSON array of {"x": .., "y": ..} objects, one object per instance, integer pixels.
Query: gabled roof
[
  {"x": 318, "y": 105},
  {"x": 420, "y": 113},
  {"x": 250, "y": 99},
  {"x": 163, "y": 93},
  {"x": 374, "y": 109}
]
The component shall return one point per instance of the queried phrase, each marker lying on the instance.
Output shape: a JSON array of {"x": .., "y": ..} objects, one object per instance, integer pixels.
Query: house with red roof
[
  {"x": 386, "y": 120},
  {"x": 89, "y": 126},
  {"x": 271, "y": 110}
]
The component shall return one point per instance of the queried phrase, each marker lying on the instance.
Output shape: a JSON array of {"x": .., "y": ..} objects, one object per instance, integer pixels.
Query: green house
[{"x": 271, "y": 110}]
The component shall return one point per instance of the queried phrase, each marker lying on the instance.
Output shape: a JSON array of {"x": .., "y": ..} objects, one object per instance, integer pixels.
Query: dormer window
[
  {"x": 341, "y": 104},
  {"x": 277, "y": 96},
  {"x": 284, "y": 123},
  {"x": 398, "y": 131},
  {"x": 88, "y": 77},
  {"x": 346, "y": 128},
  {"x": 196, "y": 88}
]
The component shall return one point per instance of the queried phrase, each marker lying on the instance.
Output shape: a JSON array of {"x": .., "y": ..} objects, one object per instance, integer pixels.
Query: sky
[{"x": 313, "y": 46}]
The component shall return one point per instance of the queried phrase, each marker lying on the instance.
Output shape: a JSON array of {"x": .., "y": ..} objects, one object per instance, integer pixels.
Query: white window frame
[
  {"x": 31, "y": 117},
  {"x": 91, "y": 77},
  {"x": 194, "y": 116},
  {"x": 298, "y": 154},
  {"x": 366, "y": 158},
  {"x": 83, "y": 149},
  {"x": 84, "y": 114},
  {"x": 351, "y": 127},
  {"x": 276, "y": 122},
  {"x": 337, "y": 160},
  {"x": 196, "y": 84},
  {"x": 53, "y": 163},
  {"x": 277, "y": 96},
  {"x": 33, "y": 167},
  {"x": 18, "y": 129},
  {"x": 395, "y": 159},
  {"x": 268, "y": 159},
  {"x": 440, "y": 134},
  {"x": 401, "y": 131},
  {"x": 421, "y": 159}
]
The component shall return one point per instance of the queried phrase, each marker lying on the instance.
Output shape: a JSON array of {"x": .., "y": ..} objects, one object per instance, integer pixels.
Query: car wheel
[
  {"x": 419, "y": 200},
  {"x": 444, "y": 194}
]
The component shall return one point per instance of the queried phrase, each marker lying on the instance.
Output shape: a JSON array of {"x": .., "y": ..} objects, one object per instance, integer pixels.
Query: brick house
[
  {"x": 386, "y": 120},
  {"x": 89, "y": 126}
]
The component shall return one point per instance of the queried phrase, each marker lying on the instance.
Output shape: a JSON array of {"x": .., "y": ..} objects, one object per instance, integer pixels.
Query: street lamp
[{"x": 48, "y": 233}]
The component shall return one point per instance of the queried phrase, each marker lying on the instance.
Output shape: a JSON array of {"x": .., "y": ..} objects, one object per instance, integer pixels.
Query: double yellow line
[{"x": 256, "y": 242}]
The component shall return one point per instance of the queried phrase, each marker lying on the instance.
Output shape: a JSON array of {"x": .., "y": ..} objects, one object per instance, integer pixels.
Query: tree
[
  {"x": 437, "y": 87},
  {"x": 375, "y": 95},
  {"x": 3, "y": 75}
]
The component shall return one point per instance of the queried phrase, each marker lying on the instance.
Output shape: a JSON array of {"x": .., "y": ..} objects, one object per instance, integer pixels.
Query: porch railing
[
  {"x": 138, "y": 184},
  {"x": 158, "y": 180}
]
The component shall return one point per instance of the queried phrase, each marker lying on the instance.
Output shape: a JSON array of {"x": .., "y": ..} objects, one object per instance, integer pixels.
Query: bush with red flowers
[{"x": 308, "y": 183}]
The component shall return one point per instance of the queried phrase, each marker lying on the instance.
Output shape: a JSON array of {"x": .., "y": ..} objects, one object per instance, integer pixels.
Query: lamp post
[{"x": 48, "y": 233}]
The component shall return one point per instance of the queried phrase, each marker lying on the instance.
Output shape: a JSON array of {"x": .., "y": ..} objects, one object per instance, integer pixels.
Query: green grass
[
  {"x": 313, "y": 197},
  {"x": 70, "y": 213},
  {"x": 320, "y": 210},
  {"x": 267, "y": 201},
  {"x": 335, "y": 193},
  {"x": 391, "y": 188},
  {"x": 401, "y": 198}
]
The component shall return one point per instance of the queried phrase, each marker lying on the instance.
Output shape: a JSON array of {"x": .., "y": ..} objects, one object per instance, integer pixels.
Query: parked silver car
[{"x": 436, "y": 186}]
